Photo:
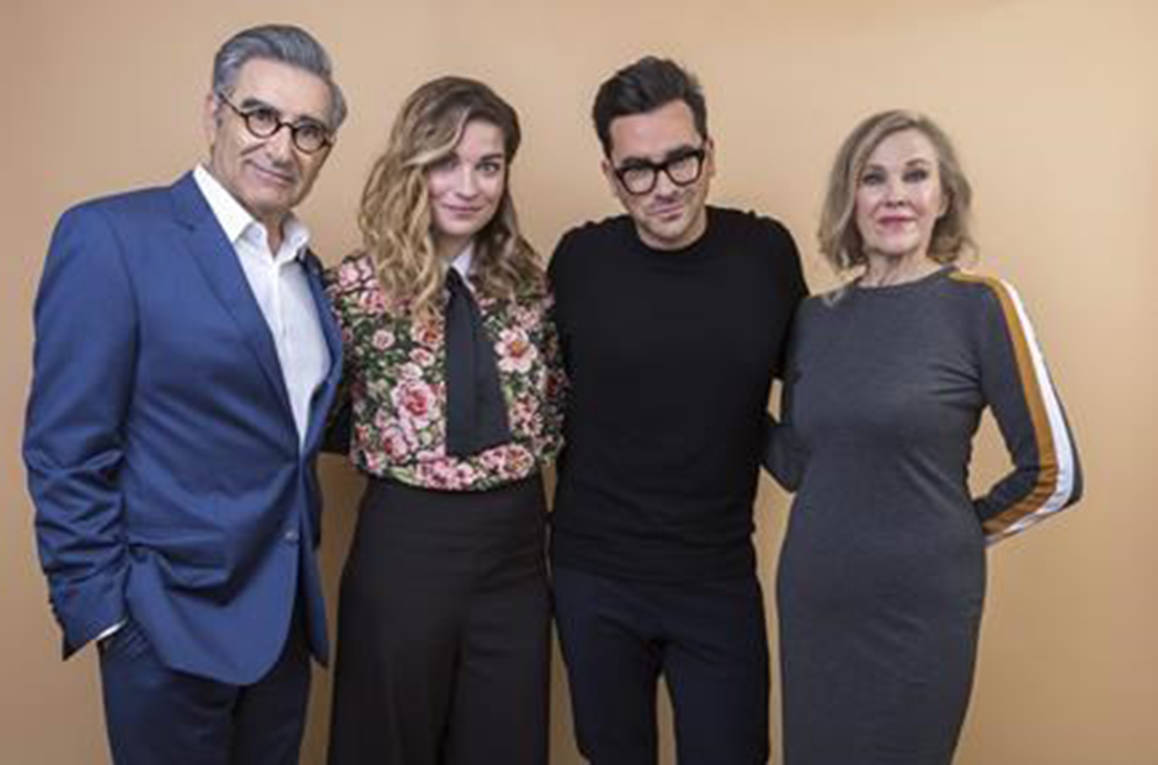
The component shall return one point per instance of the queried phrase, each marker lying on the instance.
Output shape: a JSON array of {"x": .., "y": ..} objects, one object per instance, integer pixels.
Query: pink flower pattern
[{"x": 395, "y": 377}]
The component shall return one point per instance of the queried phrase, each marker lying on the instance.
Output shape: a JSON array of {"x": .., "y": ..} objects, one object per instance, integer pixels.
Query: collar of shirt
[
  {"x": 463, "y": 260},
  {"x": 239, "y": 225}
]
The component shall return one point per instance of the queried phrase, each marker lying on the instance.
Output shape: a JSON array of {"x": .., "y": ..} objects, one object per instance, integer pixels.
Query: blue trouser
[
  {"x": 158, "y": 715},
  {"x": 706, "y": 637}
]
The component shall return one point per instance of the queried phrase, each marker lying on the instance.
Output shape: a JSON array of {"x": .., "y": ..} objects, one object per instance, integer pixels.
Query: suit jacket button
[{"x": 291, "y": 537}]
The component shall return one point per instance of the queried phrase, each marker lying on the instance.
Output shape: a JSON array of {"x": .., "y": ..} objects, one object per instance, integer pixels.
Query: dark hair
[
  {"x": 647, "y": 84},
  {"x": 277, "y": 42}
]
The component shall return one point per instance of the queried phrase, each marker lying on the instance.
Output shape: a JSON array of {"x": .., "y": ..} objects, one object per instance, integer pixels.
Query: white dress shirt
[{"x": 279, "y": 283}]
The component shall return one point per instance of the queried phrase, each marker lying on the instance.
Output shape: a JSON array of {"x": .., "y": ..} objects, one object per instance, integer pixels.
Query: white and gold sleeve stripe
[{"x": 1057, "y": 466}]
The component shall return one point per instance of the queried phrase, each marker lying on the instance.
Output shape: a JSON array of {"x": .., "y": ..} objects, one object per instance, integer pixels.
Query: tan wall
[{"x": 1052, "y": 104}]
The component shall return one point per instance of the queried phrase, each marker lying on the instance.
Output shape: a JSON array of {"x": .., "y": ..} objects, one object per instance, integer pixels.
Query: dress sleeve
[
  {"x": 555, "y": 395},
  {"x": 1046, "y": 475},
  {"x": 339, "y": 424},
  {"x": 785, "y": 454}
]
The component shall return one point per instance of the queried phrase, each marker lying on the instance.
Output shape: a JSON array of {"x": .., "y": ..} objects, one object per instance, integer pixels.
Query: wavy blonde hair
[
  {"x": 840, "y": 240},
  {"x": 394, "y": 215}
]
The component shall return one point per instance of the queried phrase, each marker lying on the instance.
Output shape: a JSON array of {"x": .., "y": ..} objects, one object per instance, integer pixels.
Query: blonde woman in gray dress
[{"x": 882, "y": 573}]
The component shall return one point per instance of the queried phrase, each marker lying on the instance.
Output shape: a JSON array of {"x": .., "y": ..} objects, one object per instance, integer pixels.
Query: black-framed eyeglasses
[
  {"x": 308, "y": 136},
  {"x": 640, "y": 176}
]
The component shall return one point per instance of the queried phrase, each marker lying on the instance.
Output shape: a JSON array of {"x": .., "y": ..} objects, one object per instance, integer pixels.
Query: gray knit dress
[{"x": 882, "y": 572}]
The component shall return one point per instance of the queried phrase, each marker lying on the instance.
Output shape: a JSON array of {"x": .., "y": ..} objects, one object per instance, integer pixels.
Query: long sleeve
[
  {"x": 785, "y": 455},
  {"x": 83, "y": 371},
  {"x": 555, "y": 393},
  {"x": 1046, "y": 475},
  {"x": 339, "y": 421}
]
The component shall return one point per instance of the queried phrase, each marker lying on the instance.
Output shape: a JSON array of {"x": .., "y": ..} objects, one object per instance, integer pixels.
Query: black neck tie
[{"x": 476, "y": 413}]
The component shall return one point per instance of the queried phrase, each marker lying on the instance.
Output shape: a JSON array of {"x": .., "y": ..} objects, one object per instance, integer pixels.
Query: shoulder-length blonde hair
[
  {"x": 394, "y": 215},
  {"x": 840, "y": 240}
]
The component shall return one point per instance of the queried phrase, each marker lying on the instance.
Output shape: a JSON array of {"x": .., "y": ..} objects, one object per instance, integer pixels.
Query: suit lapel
[
  {"x": 323, "y": 398},
  {"x": 217, "y": 260}
]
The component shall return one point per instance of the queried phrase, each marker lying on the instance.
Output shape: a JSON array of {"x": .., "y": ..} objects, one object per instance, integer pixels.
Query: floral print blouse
[{"x": 395, "y": 377}]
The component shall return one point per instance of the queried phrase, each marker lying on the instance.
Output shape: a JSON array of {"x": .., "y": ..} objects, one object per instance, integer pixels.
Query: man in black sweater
[{"x": 673, "y": 320}]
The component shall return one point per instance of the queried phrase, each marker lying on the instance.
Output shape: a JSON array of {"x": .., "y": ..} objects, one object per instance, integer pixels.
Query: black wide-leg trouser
[{"x": 444, "y": 629}]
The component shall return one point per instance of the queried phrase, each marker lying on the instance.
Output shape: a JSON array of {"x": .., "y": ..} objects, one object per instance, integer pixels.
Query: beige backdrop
[{"x": 1053, "y": 107}]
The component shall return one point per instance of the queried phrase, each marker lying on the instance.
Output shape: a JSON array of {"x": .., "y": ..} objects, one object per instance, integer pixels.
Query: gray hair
[{"x": 277, "y": 42}]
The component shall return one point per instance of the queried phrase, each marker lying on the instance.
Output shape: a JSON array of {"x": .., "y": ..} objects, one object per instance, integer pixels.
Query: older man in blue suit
[{"x": 185, "y": 361}]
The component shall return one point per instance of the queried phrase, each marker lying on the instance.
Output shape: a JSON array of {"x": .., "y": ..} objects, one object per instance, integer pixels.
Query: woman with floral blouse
[{"x": 454, "y": 383}]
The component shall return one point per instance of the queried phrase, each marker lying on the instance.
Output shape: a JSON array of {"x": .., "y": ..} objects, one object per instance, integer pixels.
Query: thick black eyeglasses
[
  {"x": 264, "y": 122},
  {"x": 684, "y": 169}
]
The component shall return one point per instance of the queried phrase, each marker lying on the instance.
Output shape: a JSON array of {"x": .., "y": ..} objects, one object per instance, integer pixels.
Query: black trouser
[
  {"x": 155, "y": 714},
  {"x": 444, "y": 629},
  {"x": 706, "y": 637}
]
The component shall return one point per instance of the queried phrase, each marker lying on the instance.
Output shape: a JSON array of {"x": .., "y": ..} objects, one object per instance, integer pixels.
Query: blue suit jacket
[{"x": 161, "y": 449}]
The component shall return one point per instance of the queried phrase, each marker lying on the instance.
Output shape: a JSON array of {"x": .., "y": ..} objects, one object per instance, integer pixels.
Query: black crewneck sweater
[{"x": 670, "y": 357}]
